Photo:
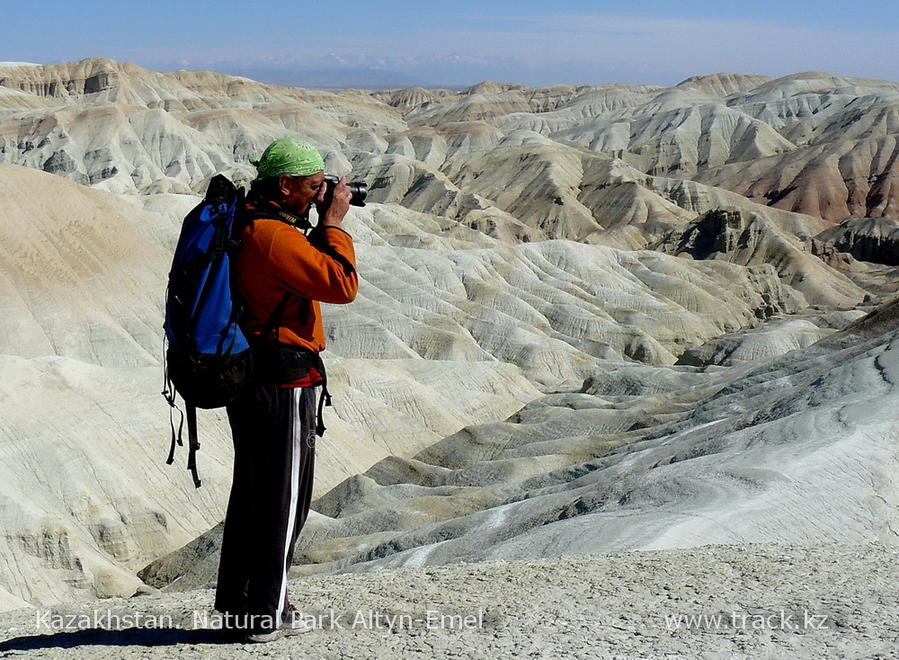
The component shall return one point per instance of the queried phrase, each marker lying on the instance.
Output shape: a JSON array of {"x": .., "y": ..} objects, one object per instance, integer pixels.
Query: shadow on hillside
[{"x": 125, "y": 637}]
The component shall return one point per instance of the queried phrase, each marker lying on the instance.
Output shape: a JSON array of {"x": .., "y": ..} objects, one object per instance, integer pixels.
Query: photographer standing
[{"x": 281, "y": 276}]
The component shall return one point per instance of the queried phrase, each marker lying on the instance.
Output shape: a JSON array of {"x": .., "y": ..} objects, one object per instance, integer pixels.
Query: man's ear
[{"x": 285, "y": 184}]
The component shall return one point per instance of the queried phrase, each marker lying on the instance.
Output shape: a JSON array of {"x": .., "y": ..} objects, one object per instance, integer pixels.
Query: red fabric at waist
[{"x": 310, "y": 379}]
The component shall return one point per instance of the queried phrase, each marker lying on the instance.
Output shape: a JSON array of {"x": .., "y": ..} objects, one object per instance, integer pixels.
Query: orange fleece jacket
[{"x": 276, "y": 258}]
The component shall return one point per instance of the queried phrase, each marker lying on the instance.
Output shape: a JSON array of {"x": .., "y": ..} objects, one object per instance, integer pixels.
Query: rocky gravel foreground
[{"x": 762, "y": 600}]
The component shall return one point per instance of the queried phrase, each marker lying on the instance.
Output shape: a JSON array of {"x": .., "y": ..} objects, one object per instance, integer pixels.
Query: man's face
[{"x": 300, "y": 191}]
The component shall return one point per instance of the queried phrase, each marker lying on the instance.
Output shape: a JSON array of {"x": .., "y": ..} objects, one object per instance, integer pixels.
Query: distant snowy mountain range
[{"x": 341, "y": 71}]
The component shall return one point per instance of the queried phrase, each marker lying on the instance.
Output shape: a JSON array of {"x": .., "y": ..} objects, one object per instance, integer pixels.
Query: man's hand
[{"x": 340, "y": 204}]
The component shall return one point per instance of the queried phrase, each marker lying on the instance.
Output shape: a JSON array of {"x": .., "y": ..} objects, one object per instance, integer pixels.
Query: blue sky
[{"x": 464, "y": 41}]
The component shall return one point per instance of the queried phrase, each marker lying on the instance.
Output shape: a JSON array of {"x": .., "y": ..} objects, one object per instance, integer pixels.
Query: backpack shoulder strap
[
  {"x": 193, "y": 444},
  {"x": 271, "y": 326}
]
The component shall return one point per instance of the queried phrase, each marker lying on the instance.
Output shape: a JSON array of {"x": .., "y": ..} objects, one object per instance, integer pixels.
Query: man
[{"x": 282, "y": 274}]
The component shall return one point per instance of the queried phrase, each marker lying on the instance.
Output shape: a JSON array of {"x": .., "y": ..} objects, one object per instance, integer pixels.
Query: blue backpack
[{"x": 208, "y": 361}]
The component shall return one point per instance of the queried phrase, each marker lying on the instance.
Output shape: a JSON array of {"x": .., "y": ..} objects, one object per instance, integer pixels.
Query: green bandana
[{"x": 288, "y": 156}]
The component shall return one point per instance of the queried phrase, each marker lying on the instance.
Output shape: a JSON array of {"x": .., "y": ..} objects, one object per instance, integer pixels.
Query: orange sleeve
[{"x": 324, "y": 269}]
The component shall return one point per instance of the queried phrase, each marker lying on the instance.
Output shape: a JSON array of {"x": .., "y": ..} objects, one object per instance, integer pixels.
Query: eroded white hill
[{"x": 450, "y": 327}]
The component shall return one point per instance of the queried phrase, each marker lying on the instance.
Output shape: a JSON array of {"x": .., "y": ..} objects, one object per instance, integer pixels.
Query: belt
[{"x": 276, "y": 364}]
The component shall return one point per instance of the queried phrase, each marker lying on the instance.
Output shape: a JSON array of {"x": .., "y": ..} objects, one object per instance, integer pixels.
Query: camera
[{"x": 358, "y": 189}]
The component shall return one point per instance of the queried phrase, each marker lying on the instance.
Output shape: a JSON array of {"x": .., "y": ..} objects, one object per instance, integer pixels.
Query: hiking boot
[
  {"x": 293, "y": 622},
  {"x": 263, "y": 636}
]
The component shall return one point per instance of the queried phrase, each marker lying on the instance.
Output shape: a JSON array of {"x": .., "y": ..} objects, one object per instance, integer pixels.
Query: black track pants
[{"x": 274, "y": 454}]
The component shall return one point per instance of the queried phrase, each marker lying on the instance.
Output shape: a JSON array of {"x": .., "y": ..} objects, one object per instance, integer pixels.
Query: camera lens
[{"x": 358, "y": 190}]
